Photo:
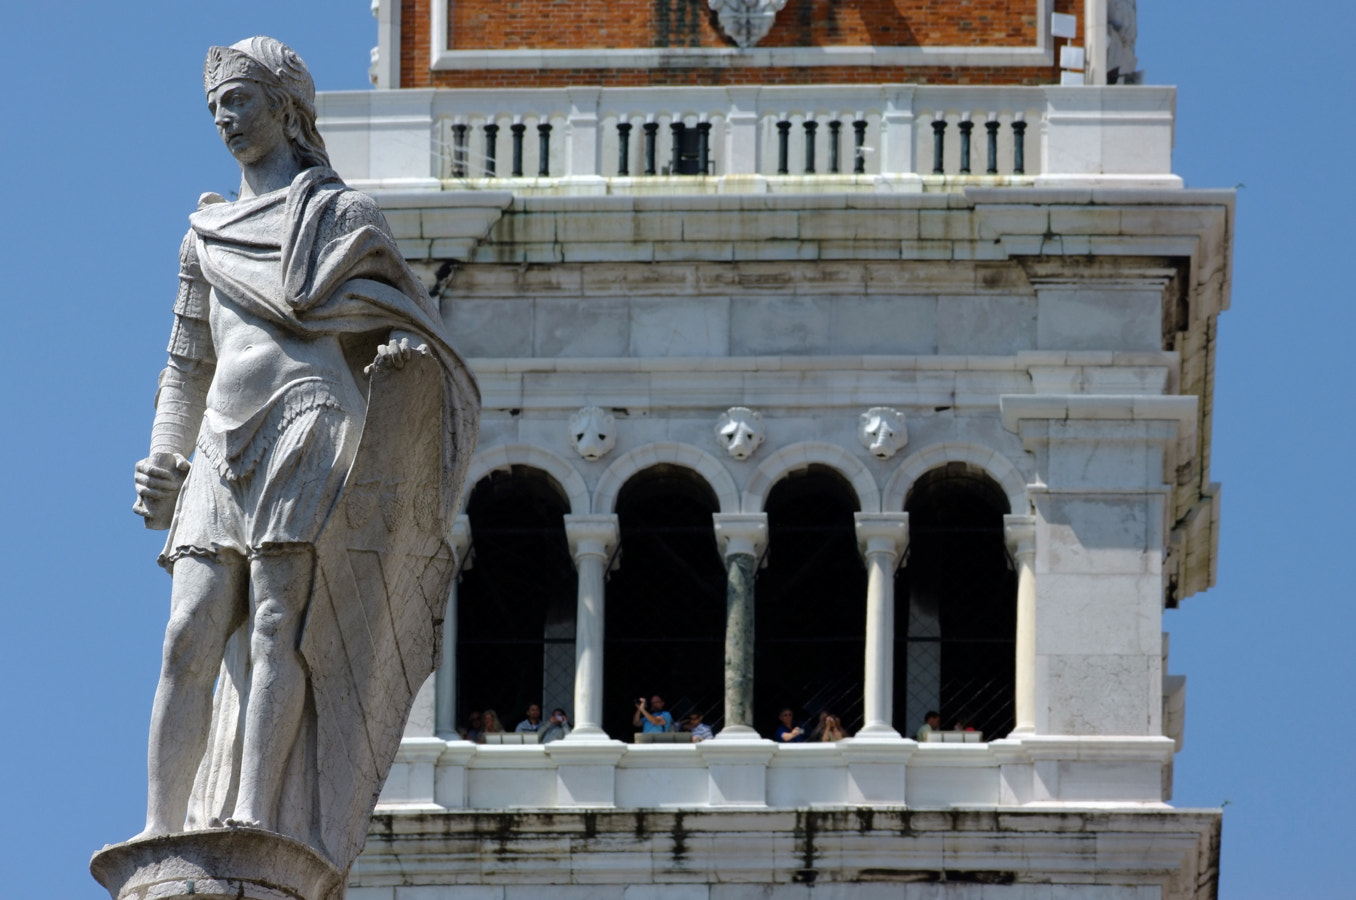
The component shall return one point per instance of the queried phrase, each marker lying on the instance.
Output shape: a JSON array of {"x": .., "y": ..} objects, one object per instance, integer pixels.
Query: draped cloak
[{"x": 318, "y": 260}]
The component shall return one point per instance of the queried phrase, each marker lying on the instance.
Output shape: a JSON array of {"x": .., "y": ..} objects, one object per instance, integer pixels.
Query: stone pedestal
[{"x": 221, "y": 864}]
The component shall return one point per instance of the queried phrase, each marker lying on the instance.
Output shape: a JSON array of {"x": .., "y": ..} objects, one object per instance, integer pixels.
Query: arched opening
[
  {"x": 956, "y": 622},
  {"x": 665, "y": 613},
  {"x": 516, "y": 602},
  {"x": 810, "y": 604}
]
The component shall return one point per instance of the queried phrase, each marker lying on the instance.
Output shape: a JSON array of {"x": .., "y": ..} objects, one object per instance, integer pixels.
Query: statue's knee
[
  {"x": 185, "y": 655},
  {"x": 273, "y": 624}
]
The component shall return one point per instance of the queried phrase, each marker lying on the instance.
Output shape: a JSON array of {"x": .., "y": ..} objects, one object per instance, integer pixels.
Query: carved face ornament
[
  {"x": 593, "y": 432},
  {"x": 882, "y": 431},
  {"x": 740, "y": 431}
]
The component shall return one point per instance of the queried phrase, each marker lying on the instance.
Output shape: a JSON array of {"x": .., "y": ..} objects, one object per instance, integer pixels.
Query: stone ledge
[{"x": 217, "y": 864}]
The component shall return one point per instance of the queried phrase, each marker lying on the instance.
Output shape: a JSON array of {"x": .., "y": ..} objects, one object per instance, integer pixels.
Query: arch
[
  {"x": 992, "y": 463},
  {"x": 505, "y": 455},
  {"x": 672, "y": 453},
  {"x": 798, "y": 456}
]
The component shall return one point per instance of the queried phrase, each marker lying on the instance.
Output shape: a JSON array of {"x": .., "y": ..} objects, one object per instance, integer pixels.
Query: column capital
[
  {"x": 595, "y": 535},
  {"x": 1019, "y": 533},
  {"x": 882, "y": 533},
  {"x": 741, "y": 533},
  {"x": 459, "y": 539}
]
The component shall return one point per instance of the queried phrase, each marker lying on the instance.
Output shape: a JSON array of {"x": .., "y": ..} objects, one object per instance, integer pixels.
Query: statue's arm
[
  {"x": 181, "y": 396},
  {"x": 357, "y": 210}
]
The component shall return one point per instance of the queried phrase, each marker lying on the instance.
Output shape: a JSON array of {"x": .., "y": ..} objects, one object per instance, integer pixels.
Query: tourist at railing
[
  {"x": 555, "y": 727},
  {"x": 788, "y": 732},
  {"x": 533, "y": 721},
  {"x": 699, "y": 730},
  {"x": 475, "y": 728},
  {"x": 830, "y": 728},
  {"x": 652, "y": 718},
  {"x": 492, "y": 724},
  {"x": 931, "y": 722}
]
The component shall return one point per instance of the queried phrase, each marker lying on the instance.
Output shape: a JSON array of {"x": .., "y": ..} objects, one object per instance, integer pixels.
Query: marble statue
[
  {"x": 1122, "y": 30},
  {"x": 330, "y": 424}
]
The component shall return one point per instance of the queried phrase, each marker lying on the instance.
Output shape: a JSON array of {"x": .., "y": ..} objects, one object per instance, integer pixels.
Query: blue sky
[{"x": 107, "y": 145}]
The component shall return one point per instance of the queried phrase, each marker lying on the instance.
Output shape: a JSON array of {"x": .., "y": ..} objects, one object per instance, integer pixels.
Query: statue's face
[{"x": 248, "y": 127}]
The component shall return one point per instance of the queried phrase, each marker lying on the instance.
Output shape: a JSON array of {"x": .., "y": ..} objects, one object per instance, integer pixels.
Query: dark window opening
[
  {"x": 516, "y": 602},
  {"x": 956, "y": 605},
  {"x": 810, "y": 605},
  {"x": 665, "y": 609}
]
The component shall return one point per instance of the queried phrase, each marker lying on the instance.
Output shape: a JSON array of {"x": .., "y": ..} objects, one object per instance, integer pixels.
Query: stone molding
[
  {"x": 795, "y": 458},
  {"x": 504, "y": 456},
  {"x": 1146, "y": 852},
  {"x": 991, "y": 462},
  {"x": 672, "y": 453}
]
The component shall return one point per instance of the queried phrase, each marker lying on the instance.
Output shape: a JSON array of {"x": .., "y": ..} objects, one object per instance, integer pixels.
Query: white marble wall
[{"x": 1019, "y": 332}]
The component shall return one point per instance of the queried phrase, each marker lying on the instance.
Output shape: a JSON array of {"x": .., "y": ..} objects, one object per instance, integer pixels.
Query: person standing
[{"x": 653, "y": 717}]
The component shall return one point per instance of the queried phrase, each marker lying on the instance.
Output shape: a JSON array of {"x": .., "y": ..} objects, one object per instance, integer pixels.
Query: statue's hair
[{"x": 298, "y": 122}]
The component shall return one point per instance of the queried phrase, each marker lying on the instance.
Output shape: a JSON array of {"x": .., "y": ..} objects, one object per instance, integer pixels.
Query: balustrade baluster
[
  {"x": 783, "y": 136},
  {"x": 459, "y": 150},
  {"x": 623, "y": 148},
  {"x": 676, "y": 131},
  {"x": 938, "y": 143},
  {"x": 1018, "y": 145},
  {"x": 992, "y": 127},
  {"x": 491, "y": 136},
  {"x": 859, "y": 147},
  {"x": 834, "y": 127},
  {"x": 966, "y": 126},
  {"x": 517, "y": 128},
  {"x": 544, "y": 150},
  {"x": 651, "y": 130},
  {"x": 811, "y": 126}
]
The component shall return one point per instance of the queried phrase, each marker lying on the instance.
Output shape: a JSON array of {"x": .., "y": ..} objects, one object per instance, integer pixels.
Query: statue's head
[{"x": 273, "y": 70}]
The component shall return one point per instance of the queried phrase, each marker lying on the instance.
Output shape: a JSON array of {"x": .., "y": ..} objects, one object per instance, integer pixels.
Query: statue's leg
[
  {"x": 207, "y": 603},
  {"x": 280, "y": 584}
]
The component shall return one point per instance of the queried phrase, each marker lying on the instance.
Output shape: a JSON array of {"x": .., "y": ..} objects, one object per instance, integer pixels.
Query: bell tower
[{"x": 842, "y": 363}]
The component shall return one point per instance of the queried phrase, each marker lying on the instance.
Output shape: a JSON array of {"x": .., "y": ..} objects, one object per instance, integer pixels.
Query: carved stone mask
[
  {"x": 882, "y": 431},
  {"x": 593, "y": 432},
  {"x": 740, "y": 431}
]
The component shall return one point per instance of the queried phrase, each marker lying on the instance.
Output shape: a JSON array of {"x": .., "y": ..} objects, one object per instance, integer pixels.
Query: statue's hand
[
  {"x": 159, "y": 478},
  {"x": 396, "y": 352}
]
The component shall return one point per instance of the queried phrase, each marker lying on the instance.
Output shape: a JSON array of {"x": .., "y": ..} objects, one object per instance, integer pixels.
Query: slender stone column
[
  {"x": 1020, "y": 533},
  {"x": 592, "y": 542},
  {"x": 445, "y": 679},
  {"x": 882, "y": 538},
  {"x": 742, "y": 538}
]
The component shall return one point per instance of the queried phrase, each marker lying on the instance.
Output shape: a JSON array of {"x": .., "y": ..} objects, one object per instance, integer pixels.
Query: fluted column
[
  {"x": 742, "y": 537},
  {"x": 1020, "y": 534},
  {"x": 593, "y": 540},
  {"x": 882, "y": 539}
]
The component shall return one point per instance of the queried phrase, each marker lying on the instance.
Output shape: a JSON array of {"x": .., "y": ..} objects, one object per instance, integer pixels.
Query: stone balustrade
[{"x": 752, "y": 139}]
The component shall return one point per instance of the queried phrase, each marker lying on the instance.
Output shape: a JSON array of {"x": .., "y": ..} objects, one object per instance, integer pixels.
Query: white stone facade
[{"x": 1057, "y": 340}]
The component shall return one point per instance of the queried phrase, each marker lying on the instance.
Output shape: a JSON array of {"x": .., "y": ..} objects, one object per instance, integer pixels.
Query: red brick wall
[{"x": 586, "y": 24}]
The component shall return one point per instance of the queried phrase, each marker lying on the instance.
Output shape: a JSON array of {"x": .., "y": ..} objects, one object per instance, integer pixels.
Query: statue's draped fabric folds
[{"x": 383, "y": 566}]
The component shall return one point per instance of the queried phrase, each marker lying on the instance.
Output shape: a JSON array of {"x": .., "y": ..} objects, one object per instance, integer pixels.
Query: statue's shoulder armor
[{"x": 354, "y": 209}]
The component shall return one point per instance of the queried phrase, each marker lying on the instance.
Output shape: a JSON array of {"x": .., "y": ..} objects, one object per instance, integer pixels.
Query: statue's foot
[
  {"x": 245, "y": 823},
  {"x": 150, "y": 831}
]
